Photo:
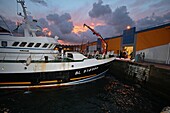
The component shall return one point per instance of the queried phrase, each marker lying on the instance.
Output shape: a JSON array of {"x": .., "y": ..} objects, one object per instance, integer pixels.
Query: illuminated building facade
[{"x": 153, "y": 42}]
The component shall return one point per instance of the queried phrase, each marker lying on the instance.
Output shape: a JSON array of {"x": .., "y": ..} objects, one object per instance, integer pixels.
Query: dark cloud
[
  {"x": 55, "y": 30},
  {"x": 167, "y": 17},
  {"x": 63, "y": 22},
  {"x": 62, "y": 26},
  {"x": 53, "y": 18},
  {"x": 99, "y": 10},
  {"x": 65, "y": 17},
  {"x": 72, "y": 37},
  {"x": 43, "y": 23},
  {"x": 58, "y": 19},
  {"x": 88, "y": 36},
  {"x": 106, "y": 30},
  {"x": 152, "y": 21},
  {"x": 66, "y": 27},
  {"x": 42, "y": 2},
  {"x": 116, "y": 21},
  {"x": 119, "y": 18}
]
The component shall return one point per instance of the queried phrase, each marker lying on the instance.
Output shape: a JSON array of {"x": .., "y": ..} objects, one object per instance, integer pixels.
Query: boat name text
[{"x": 86, "y": 70}]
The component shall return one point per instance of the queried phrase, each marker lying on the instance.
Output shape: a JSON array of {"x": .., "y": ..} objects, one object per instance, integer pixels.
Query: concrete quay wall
[{"x": 150, "y": 77}]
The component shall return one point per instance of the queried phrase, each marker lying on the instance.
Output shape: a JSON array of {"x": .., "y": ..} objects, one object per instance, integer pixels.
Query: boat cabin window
[
  {"x": 69, "y": 55},
  {"x": 45, "y": 45},
  {"x": 23, "y": 44},
  {"x": 37, "y": 45},
  {"x": 50, "y": 46},
  {"x": 15, "y": 44},
  {"x": 4, "y": 43},
  {"x": 30, "y": 44}
]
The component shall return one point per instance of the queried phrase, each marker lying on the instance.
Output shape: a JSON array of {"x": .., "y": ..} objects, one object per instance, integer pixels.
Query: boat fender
[{"x": 28, "y": 62}]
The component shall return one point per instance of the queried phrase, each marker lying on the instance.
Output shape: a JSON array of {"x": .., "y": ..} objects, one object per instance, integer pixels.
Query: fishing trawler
[{"x": 30, "y": 61}]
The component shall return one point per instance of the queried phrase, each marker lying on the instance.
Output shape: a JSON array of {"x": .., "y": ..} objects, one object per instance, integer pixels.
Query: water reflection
[{"x": 106, "y": 95}]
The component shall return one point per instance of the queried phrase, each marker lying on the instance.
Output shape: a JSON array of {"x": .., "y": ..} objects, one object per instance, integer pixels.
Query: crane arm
[
  {"x": 94, "y": 32},
  {"x": 100, "y": 37}
]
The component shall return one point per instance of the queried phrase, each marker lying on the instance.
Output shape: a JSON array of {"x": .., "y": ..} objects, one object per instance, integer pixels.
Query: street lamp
[{"x": 128, "y": 27}]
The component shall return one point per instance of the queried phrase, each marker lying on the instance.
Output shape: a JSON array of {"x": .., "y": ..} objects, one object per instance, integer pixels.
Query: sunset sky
[{"x": 65, "y": 18}]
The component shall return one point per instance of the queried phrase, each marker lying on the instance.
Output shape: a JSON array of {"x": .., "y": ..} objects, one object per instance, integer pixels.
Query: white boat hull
[{"x": 42, "y": 75}]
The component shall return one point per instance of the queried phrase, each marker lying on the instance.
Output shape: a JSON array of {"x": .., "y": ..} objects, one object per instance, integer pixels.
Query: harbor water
[{"x": 106, "y": 95}]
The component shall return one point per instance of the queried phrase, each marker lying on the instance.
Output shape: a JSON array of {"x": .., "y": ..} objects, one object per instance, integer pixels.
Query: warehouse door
[{"x": 128, "y": 50}]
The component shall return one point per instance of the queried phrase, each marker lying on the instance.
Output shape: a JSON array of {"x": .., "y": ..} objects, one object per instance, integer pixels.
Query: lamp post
[{"x": 128, "y": 27}]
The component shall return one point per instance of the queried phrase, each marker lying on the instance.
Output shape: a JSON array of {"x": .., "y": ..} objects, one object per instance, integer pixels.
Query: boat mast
[{"x": 27, "y": 30}]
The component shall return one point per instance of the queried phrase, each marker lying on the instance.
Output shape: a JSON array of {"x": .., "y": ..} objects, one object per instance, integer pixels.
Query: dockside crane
[{"x": 100, "y": 37}]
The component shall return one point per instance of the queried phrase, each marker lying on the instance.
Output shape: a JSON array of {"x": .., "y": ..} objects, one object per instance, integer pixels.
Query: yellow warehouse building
[{"x": 154, "y": 42}]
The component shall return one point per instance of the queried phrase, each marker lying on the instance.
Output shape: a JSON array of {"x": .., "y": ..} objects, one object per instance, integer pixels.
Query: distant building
[{"x": 154, "y": 42}]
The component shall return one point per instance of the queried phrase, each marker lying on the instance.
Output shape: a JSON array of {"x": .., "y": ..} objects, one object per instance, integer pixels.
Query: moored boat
[{"x": 32, "y": 62}]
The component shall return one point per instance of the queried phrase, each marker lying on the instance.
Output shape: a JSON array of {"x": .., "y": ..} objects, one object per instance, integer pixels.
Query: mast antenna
[{"x": 27, "y": 31}]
